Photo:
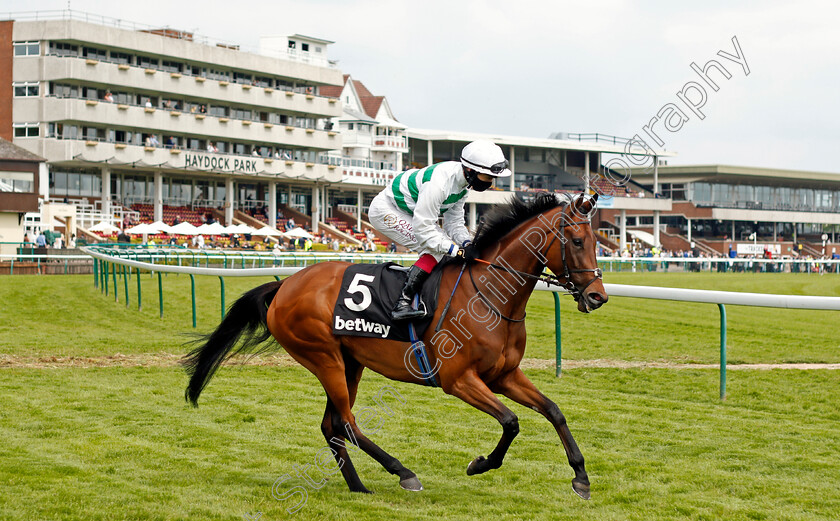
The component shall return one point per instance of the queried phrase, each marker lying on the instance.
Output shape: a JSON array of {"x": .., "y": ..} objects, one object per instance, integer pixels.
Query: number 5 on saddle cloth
[{"x": 368, "y": 294}]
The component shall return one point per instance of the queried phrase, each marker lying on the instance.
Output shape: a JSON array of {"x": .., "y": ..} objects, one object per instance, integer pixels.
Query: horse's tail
[{"x": 246, "y": 319}]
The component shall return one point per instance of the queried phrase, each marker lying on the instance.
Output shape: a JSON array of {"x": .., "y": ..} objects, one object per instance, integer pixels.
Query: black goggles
[{"x": 498, "y": 168}]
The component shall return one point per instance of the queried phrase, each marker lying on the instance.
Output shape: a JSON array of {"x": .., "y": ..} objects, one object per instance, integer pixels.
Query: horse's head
[{"x": 573, "y": 259}]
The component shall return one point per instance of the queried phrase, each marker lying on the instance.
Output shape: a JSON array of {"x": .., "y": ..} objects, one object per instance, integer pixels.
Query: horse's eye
[{"x": 578, "y": 242}]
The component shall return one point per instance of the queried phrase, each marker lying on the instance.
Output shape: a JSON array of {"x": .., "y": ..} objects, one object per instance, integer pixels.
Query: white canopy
[
  {"x": 268, "y": 231},
  {"x": 104, "y": 227},
  {"x": 159, "y": 227},
  {"x": 183, "y": 228},
  {"x": 141, "y": 229},
  {"x": 211, "y": 229},
  {"x": 240, "y": 228},
  {"x": 299, "y": 232}
]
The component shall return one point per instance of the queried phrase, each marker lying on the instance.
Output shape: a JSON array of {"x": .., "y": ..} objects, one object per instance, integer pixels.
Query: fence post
[
  {"x": 557, "y": 341},
  {"x": 95, "y": 274},
  {"x": 160, "y": 293},
  {"x": 125, "y": 271},
  {"x": 192, "y": 288},
  {"x": 139, "y": 298},
  {"x": 722, "y": 351},
  {"x": 105, "y": 266},
  {"x": 222, "y": 280},
  {"x": 114, "y": 273}
]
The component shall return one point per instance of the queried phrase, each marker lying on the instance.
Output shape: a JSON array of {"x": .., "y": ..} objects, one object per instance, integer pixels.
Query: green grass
[
  {"x": 66, "y": 316},
  {"x": 119, "y": 443}
]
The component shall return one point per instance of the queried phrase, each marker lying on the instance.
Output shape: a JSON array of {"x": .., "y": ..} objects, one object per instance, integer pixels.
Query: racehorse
[{"x": 473, "y": 360}]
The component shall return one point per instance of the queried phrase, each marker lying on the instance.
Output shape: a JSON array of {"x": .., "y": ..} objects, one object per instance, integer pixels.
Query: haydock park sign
[{"x": 220, "y": 163}]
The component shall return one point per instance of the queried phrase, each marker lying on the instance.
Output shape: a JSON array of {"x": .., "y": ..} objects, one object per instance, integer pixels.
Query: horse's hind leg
[
  {"x": 336, "y": 441},
  {"x": 516, "y": 386},
  {"x": 338, "y": 391},
  {"x": 333, "y": 433}
]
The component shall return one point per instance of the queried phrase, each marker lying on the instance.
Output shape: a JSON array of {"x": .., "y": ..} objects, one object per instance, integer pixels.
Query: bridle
[{"x": 574, "y": 290}]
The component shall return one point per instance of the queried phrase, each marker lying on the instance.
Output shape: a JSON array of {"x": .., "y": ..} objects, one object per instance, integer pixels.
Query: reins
[{"x": 548, "y": 278}]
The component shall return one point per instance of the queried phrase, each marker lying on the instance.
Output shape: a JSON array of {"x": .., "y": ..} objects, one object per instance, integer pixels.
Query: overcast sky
[{"x": 533, "y": 68}]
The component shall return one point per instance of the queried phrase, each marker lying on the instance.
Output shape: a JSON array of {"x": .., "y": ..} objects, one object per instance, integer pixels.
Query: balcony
[
  {"x": 390, "y": 143},
  {"x": 161, "y": 121},
  {"x": 367, "y": 176},
  {"x": 77, "y": 152},
  {"x": 183, "y": 87}
]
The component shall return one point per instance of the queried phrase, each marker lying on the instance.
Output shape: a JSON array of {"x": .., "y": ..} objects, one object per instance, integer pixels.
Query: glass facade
[{"x": 764, "y": 197}]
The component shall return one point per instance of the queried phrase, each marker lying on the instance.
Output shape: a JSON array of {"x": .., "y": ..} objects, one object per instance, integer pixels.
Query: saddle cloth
[{"x": 369, "y": 293}]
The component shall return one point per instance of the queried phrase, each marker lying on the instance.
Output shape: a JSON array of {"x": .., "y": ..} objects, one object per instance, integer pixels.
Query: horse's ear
[{"x": 595, "y": 198}]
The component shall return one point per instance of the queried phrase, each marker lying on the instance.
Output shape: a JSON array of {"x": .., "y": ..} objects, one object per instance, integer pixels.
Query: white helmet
[{"x": 485, "y": 157}]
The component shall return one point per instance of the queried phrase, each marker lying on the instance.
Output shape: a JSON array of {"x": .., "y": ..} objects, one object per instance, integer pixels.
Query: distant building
[
  {"x": 20, "y": 176},
  {"x": 134, "y": 118}
]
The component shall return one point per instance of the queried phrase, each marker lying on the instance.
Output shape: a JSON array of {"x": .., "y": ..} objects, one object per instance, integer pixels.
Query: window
[
  {"x": 241, "y": 114},
  {"x": 147, "y": 62},
  {"x": 25, "y": 89},
  {"x": 304, "y": 47},
  {"x": 93, "y": 53},
  {"x": 26, "y": 129},
  {"x": 63, "y": 49},
  {"x": 317, "y": 49},
  {"x": 292, "y": 44},
  {"x": 64, "y": 91},
  {"x": 120, "y": 57},
  {"x": 90, "y": 93},
  {"x": 27, "y": 48},
  {"x": 170, "y": 66},
  {"x": 240, "y": 77},
  {"x": 17, "y": 181},
  {"x": 217, "y": 75}
]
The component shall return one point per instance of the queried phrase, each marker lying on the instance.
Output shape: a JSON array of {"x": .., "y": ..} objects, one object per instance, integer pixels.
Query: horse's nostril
[{"x": 597, "y": 297}]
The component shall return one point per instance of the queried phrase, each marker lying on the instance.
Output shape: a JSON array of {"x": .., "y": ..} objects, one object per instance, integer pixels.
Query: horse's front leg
[
  {"x": 516, "y": 386},
  {"x": 471, "y": 389}
]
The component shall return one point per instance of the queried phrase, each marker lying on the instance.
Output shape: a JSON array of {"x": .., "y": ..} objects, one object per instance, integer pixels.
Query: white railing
[{"x": 390, "y": 142}]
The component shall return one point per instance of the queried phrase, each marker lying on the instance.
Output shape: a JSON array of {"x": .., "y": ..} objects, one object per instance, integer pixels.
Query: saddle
[{"x": 368, "y": 294}]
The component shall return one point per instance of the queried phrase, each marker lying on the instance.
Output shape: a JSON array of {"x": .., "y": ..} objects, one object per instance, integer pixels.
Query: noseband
[{"x": 570, "y": 286}]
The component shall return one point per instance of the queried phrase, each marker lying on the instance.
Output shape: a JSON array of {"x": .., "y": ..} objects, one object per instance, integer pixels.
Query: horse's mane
[{"x": 500, "y": 220}]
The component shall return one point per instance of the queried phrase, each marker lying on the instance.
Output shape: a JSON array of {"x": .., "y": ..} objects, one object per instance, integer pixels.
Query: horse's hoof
[
  {"x": 473, "y": 467},
  {"x": 413, "y": 484},
  {"x": 581, "y": 489}
]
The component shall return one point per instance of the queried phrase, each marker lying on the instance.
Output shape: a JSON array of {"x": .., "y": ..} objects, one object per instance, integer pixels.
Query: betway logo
[{"x": 361, "y": 324}]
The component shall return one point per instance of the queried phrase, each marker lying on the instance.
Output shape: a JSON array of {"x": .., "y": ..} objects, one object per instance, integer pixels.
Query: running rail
[{"x": 720, "y": 298}]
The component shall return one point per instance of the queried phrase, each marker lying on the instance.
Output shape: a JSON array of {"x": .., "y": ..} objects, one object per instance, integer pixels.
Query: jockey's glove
[{"x": 468, "y": 252}]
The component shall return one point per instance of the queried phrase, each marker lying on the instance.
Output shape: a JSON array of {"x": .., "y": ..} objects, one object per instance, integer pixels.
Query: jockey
[{"x": 408, "y": 209}]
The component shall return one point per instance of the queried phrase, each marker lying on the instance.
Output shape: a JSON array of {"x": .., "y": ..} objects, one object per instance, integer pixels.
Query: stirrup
[{"x": 414, "y": 312}]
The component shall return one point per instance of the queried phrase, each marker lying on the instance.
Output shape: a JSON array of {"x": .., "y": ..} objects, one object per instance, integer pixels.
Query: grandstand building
[
  {"x": 718, "y": 206},
  {"x": 162, "y": 122},
  {"x": 561, "y": 162},
  {"x": 158, "y": 123}
]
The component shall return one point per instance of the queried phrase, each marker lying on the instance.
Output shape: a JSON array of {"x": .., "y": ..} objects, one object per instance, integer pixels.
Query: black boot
[{"x": 413, "y": 283}]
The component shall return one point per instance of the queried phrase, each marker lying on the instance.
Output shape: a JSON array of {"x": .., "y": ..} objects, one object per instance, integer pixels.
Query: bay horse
[{"x": 477, "y": 355}]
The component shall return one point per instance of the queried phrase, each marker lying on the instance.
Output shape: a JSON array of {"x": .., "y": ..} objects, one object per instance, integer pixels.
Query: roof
[
  {"x": 371, "y": 104},
  {"x": 311, "y": 38},
  {"x": 355, "y": 115},
  {"x": 333, "y": 91},
  {"x": 722, "y": 172},
  {"x": 533, "y": 142},
  {"x": 362, "y": 90},
  {"x": 10, "y": 151}
]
